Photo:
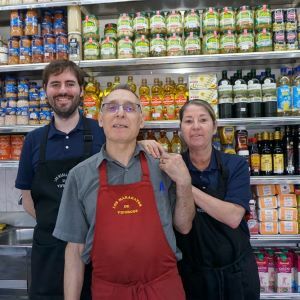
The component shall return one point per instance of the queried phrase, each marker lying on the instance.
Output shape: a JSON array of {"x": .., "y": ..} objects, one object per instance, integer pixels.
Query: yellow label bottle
[
  {"x": 278, "y": 156},
  {"x": 131, "y": 84},
  {"x": 144, "y": 93},
  {"x": 157, "y": 101},
  {"x": 107, "y": 91},
  {"x": 91, "y": 100},
  {"x": 169, "y": 104},
  {"x": 180, "y": 96},
  {"x": 116, "y": 82}
]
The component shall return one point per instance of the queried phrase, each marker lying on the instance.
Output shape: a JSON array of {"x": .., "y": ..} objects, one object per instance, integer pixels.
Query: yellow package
[
  {"x": 208, "y": 95},
  {"x": 288, "y": 214},
  {"x": 267, "y": 202},
  {"x": 268, "y": 227},
  {"x": 200, "y": 81},
  {"x": 265, "y": 190},
  {"x": 284, "y": 188},
  {"x": 267, "y": 215},
  {"x": 287, "y": 200},
  {"x": 288, "y": 227}
]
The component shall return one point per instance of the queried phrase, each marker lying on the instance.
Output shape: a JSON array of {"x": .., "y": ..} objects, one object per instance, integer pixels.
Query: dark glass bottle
[
  {"x": 259, "y": 137},
  {"x": 278, "y": 155},
  {"x": 288, "y": 147},
  {"x": 225, "y": 97},
  {"x": 240, "y": 93},
  {"x": 254, "y": 96},
  {"x": 266, "y": 165},
  {"x": 254, "y": 157},
  {"x": 297, "y": 151},
  {"x": 269, "y": 96}
]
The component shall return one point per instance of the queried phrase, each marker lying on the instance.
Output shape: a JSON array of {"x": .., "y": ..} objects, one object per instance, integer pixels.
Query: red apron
[{"x": 131, "y": 257}]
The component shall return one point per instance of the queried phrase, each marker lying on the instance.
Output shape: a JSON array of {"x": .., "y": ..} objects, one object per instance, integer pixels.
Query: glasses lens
[
  {"x": 129, "y": 107},
  {"x": 111, "y": 107}
]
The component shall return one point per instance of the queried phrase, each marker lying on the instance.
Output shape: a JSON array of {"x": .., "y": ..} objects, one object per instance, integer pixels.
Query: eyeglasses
[{"x": 128, "y": 107}]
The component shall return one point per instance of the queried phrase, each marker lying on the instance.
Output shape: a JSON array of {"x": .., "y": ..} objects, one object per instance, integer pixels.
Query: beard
[{"x": 65, "y": 112}]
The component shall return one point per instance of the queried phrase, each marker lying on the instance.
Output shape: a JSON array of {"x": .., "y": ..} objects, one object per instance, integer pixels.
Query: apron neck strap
[
  {"x": 43, "y": 145},
  {"x": 87, "y": 138}
]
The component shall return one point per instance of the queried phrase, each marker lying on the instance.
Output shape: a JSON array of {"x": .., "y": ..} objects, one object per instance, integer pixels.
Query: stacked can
[
  {"x": 22, "y": 104},
  {"x": 34, "y": 104},
  {"x": 45, "y": 110},
  {"x": 11, "y": 96}
]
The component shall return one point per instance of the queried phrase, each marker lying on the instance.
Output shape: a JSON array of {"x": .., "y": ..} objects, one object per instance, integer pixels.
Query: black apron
[
  {"x": 47, "y": 257},
  {"x": 218, "y": 262}
]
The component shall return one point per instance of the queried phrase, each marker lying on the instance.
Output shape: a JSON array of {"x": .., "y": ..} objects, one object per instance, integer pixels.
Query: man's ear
[{"x": 100, "y": 119}]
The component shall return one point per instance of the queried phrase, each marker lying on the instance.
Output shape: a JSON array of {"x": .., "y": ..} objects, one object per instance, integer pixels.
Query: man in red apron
[{"x": 116, "y": 212}]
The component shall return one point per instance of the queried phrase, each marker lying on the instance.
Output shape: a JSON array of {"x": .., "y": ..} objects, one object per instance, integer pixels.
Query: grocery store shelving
[
  {"x": 283, "y": 296},
  {"x": 40, "y": 5},
  {"x": 9, "y": 163},
  {"x": 276, "y": 240},
  {"x": 284, "y": 179},
  {"x": 18, "y": 128}
]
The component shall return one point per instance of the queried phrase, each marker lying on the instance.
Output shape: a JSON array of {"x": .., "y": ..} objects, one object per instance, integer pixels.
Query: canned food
[
  {"x": 37, "y": 49},
  {"x": 16, "y": 23},
  {"x": 192, "y": 45},
  {"x": 5, "y": 147},
  {"x": 62, "y": 46},
  {"x": 141, "y": 46},
  {"x": 263, "y": 41},
  {"x": 279, "y": 41},
  {"x": 291, "y": 19},
  {"x": 278, "y": 20},
  {"x": 245, "y": 41},
  {"x": 158, "y": 45},
  {"x": 90, "y": 27},
  {"x": 141, "y": 23},
  {"x": 191, "y": 21},
  {"x": 125, "y": 48},
  {"x": 91, "y": 49},
  {"x": 263, "y": 17},
  {"x": 49, "y": 47},
  {"x": 228, "y": 42},
  {"x": 110, "y": 30},
  {"x": 124, "y": 26},
  {"x": 211, "y": 20},
  {"x": 25, "y": 50},
  {"x": 175, "y": 45},
  {"x": 227, "y": 19},
  {"x": 158, "y": 23},
  {"x": 244, "y": 18},
  {"x": 31, "y": 22},
  {"x": 291, "y": 40},
  {"x": 16, "y": 146},
  {"x": 211, "y": 43},
  {"x": 174, "y": 22}
]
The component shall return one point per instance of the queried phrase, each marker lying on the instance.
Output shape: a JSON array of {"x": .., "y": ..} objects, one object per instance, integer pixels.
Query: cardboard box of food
[{"x": 203, "y": 81}]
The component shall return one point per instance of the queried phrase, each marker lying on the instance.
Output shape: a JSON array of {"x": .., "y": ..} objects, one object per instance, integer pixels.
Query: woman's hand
[{"x": 152, "y": 147}]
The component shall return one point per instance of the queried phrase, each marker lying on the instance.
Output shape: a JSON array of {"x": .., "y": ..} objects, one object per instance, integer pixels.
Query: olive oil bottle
[
  {"x": 168, "y": 103},
  {"x": 180, "y": 96},
  {"x": 266, "y": 162},
  {"x": 91, "y": 103},
  {"x": 164, "y": 141},
  {"x": 131, "y": 84},
  {"x": 176, "y": 145},
  {"x": 157, "y": 100},
  {"x": 278, "y": 156}
]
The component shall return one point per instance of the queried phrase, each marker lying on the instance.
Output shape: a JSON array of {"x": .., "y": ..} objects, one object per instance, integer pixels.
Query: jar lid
[{"x": 243, "y": 152}]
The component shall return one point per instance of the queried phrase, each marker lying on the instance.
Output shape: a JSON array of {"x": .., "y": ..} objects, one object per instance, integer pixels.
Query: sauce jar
[
  {"x": 62, "y": 46},
  {"x": 291, "y": 40},
  {"x": 158, "y": 45},
  {"x": 291, "y": 19},
  {"x": 158, "y": 23},
  {"x": 37, "y": 49},
  {"x": 16, "y": 23},
  {"x": 191, "y": 21},
  {"x": 23, "y": 89},
  {"x": 279, "y": 42},
  {"x": 244, "y": 18},
  {"x": 211, "y": 43},
  {"x": 108, "y": 48},
  {"x": 228, "y": 42},
  {"x": 124, "y": 26},
  {"x": 141, "y": 23},
  {"x": 31, "y": 22},
  {"x": 110, "y": 30},
  {"x": 227, "y": 19},
  {"x": 25, "y": 50},
  {"x": 91, "y": 49},
  {"x": 47, "y": 23},
  {"x": 49, "y": 48},
  {"x": 211, "y": 20},
  {"x": 90, "y": 27},
  {"x": 263, "y": 40},
  {"x": 263, "y": 17},
  {"x": 175, "y": 45},
  {"x": 192, "y": 45},
  {"x": 245, "y": 41},
  {"x": 125, "y": 48},
  {"x": 59, "y": 24},
  {"x": 141, "y": 46},
  {"x": 13, "y": 51},
  {"x": 174, "y": 22},
  {"x": 278, "y": 20}
]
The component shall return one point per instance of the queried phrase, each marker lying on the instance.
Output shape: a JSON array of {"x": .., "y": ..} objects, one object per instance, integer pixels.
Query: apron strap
[
  {"x": 103, "y": 173},
  {"x": 87, "y": 138},
  {"x": 43, "y": 145}
]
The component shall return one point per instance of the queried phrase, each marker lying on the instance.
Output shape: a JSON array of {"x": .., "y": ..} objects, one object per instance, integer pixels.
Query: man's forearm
[{"x": 74, "y": 271}]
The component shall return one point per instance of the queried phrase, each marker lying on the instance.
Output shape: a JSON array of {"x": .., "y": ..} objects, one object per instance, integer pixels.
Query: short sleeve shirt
[
  {"x": 76, "y": 217},
  {"x": 59, "y": 146}
]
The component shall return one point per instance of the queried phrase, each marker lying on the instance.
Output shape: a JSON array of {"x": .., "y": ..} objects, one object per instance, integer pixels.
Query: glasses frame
[{"x": 136, "y": 105}]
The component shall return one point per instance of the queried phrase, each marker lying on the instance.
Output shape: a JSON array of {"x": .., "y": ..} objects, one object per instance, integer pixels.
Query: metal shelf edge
[
  {"x": 9, "y": 164},
  {"x": 39, "y": 5},
  {"x": 290, "y": 179},
  {"x": 276, "y": 238},
  {"x": 18, "y": 128},
  {"x": 287, "y": 296}
]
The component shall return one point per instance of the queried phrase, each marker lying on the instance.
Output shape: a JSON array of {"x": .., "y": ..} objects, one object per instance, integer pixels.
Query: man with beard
[{"x": 47, "y": 156}]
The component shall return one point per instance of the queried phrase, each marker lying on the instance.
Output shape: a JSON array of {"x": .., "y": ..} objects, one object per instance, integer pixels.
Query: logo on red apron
[{"x": 127, "y": 205}]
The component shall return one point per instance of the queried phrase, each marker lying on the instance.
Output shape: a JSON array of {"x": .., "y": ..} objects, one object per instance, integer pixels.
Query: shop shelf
[
  {"x": 284, "y": 179},
  {"x": 9, "y": 163}
]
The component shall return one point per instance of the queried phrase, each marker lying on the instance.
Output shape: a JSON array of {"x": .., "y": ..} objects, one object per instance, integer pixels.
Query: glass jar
[
  {"x": 75, "y": 46},
  {"x": 211, "y": 20},
  {"x": 263, "y": 17},
  {"x": 49, "y": 47},
  {"x": 47, "y": 22},
  {"x": 108, "y": 48},
  {"x": 158, "y": 45},
  {"x": 141, "y": 46},
  {"x": 192, "y": 45},
  {"x": 227, "y": 19},
  {"x": 23, "y": 89},
  {"x": 175, "y": 45},
  {"x": 59, "y": 24},
  {"x": 291, "y": 19},
  {"x": 124, "y": 26},
  {"x": 25, "y": 50},
  {"x": 245, "y": 41},
  {"x": 37, "y": 49},
  {"x": 211, "y": 43},
  {"x": 291, "y": 40},
  {"x": 263, "y": 40},
  {"x": 279, "y": 42},
  {"x": 174, "y": 22},
  {"x": 90, "y": 27},
  {"x": 13, "y": 51},
  {"x": 110, "y": 30},
  {"x": 158, "y": 23},
  {"x": 91, "y": 49},
  {"x": 125, "y": 48},
  {"x": 3, "y": 53},
  {"x": 244, "y": 18},
  {"x": 228, "y": 42},
  {"x": 16, "y": 23},
  {"x": 191, "y": 21},
  {"x": 62, "y": 46},
  {"x": 141, "y": 23},
  {"x": 278, "y": 20},
  {"x": 31, "y": 22}
]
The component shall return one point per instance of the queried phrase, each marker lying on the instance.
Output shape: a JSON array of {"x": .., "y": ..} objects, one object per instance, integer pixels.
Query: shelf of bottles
[{"x": 282, "y": 296}]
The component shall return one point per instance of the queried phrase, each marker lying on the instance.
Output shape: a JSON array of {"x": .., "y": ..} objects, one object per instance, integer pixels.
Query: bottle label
[
  {"x": 255, "y": 162},
  {"x": 278, "y": 164},
  {"x": 296, "y": 98},
  {"x": 146, "y": 107},
  {"x": 284, "y": 101},
  {"x": 266, "y": 162}
]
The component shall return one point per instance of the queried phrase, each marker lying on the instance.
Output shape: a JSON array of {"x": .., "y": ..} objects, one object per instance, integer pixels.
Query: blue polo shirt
[
  {"x": 238, "y": 183},
  {"x": 59, "y": 146}
]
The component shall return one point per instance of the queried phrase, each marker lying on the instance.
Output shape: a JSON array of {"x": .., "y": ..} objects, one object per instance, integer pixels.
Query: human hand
[
  {"x": 152, "y": 147},
  {"x": 175, "y": 167}
]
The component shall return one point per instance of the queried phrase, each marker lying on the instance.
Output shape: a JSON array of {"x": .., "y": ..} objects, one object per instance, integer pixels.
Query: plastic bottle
[
  {"x": 131, "y": 83},
  {"x": 91, "y": 100},
  {"x": 284, "y": 97},
  {"x": 107, "y": 91},
  {"x": 164, "y": 141},
  {"x": 176, "y": 146},
  {"x": 180, "y": 96},
  {"x": 144, "y": 93},
  {"x": 169, "y": 103},
  {"x": 116, "y": 82},
  {"x": 151, "y": 135},
  {"x": 296, "y": 93},
  {"x": 157, "y": 100}
]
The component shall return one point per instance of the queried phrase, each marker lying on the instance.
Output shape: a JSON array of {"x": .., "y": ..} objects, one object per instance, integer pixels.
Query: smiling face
[
  {"x": 63, "y": 92},
  {"x": 197, "y": 127},
  {"x": 121, "y": 126}
]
